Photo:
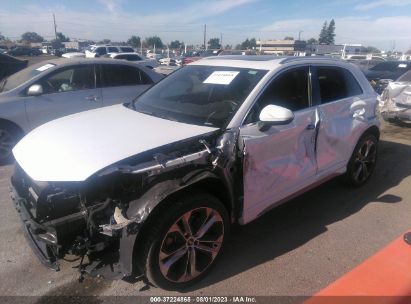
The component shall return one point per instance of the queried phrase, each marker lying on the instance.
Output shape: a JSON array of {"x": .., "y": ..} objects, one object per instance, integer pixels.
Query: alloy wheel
[
  {"x": 191, "y": 244},
  {"x": 365, "y": 161}
]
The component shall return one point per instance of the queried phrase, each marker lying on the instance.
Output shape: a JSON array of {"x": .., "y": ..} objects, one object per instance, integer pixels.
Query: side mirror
[
  {"x": 274, "y": 115},
  {"x": 35, "y": 90}
]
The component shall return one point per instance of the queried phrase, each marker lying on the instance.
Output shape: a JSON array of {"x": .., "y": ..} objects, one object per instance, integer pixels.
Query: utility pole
[
  {"x": 299, "y": 35},
  {"x": 205, "y": 34},
  {"x": 221, "y": 40},
  {"x": 55, "y": 27}
]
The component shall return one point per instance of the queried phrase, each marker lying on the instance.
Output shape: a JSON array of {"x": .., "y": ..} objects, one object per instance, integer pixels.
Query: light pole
[{"x": 299, "y": 35}]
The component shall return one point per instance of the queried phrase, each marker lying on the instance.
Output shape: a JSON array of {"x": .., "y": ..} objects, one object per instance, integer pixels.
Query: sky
[{"x": 385, "y": 24}]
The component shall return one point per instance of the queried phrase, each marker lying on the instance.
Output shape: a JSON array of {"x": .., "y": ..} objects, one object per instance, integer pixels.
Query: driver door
[
  {"x": 281, "y": 160},
  {"x": 66, "y": 91}
]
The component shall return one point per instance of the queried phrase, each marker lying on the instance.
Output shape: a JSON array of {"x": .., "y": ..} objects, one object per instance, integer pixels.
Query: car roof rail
[{"x": 310, "y": 58}]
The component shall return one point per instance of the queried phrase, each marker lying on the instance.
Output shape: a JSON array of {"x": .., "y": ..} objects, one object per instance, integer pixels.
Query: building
[
  {"x": 281, "y": 47},
  {"x": 327, "y": 49}
]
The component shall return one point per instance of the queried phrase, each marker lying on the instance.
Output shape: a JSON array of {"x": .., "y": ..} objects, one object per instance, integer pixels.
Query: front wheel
[
  {"x": 363, "y": 161},
  {"x": 185, "y": 241}
]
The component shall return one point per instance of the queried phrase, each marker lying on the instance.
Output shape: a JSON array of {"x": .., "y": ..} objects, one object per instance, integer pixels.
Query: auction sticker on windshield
[
  {"x": 221, "y": 77},
  {"x": 45, "y": 67}
]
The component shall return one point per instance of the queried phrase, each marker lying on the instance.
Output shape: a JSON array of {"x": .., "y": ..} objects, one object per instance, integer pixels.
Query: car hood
[{"x": 75, "y": 147}]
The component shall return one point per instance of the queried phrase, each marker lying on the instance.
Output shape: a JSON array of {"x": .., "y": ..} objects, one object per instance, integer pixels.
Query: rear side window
[
  {"x": 405, "y": 77},
  {"x": 101, "y": 51},
  {"x": 112, "y": 49},
  {"x": 336, "y": 83},
  {"x": 123, "y": 75},
  {"x": 126, "y": 49}
]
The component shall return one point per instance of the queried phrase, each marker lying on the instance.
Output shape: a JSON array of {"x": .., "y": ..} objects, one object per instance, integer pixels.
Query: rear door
[
  {"x": 65, "y": 91},
  {"x": 122, "y": 83},
  {"x": 281, "y": 160},
  {"x": 343, "y": 112}
]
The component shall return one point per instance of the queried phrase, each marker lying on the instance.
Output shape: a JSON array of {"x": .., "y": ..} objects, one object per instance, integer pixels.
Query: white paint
[
  {"x": 221, "y": 77},
  {"x": 75, "y": 147},
  {"x": 45, "y": 67}
]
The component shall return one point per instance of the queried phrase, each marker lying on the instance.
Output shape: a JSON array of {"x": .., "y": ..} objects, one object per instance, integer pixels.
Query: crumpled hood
[{"x": 75, "y": 147}]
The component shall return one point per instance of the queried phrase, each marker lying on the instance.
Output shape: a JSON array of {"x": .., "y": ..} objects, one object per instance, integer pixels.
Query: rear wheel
[
  {"x": 185, "y": 241},
  {"x": 363, "y": 161}
]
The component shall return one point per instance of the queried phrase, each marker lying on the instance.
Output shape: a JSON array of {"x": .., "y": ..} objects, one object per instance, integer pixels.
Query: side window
[
  {"x": 123, "y": 75},
  {"x": 336, "y": 83},
  {"x": 112, "y": 49},
  {"x": 101, "y": 50},
  {"x": 289, "y": 90},
  {"x": 126, "y": 49},
  {"x": 70, "y": 79}
]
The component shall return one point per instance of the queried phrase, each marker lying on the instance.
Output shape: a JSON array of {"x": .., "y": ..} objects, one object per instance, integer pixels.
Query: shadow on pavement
[{"x": 302, "y": 219}]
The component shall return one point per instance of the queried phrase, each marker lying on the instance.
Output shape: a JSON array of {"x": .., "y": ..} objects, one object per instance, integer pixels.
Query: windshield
[
  {"x": 24, "y": 75},
  {"x": 202, "y": 95},
  {"x": 406, "y": 77}
]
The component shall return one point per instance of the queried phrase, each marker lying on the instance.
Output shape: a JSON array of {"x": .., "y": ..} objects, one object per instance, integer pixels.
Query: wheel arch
[{"x": 11, "y": 124}]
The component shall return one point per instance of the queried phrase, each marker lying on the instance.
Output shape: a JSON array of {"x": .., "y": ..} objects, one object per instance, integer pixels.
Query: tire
[
  {"x": 363, "y": 161},
  {"x": 9, "y": 136},
  {"x": 169, "y": 250}
]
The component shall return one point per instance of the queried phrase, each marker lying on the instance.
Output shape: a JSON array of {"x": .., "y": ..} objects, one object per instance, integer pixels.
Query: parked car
[
  {"x": 382, "y": 73},
  {"x": 395, "y": 104},
  {"x": 101, "y": 50},
  {"x": 56, "y": 88},
  {"x": 149, "y": 63},
  {"x": 24, "y": 51},
  {"x": 151, "y": 188},
  {"x": 10, "y": 65}
]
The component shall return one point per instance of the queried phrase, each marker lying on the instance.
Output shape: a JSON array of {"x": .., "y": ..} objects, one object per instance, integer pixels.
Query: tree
[
  {"x": 134, "y": 41},
  {"x": 331, "y": 32},
  {"x": 154, "y": 40},
  {"x": 214, "y": 43},
  {"x": 372, "y": 49},
  {"x": 322, "y": 39},
  {"x": 312, "y": 41},
  {"x": 288, "y": 38},
  {"x": 248, "y": 44},
  {"x": 56, "y": 44},
  {"x": 62, "y": 38},
  {"x": 176, "y": 44},
  {"x": 31, "y": 37},
  {"x": 228, "y": 47}
]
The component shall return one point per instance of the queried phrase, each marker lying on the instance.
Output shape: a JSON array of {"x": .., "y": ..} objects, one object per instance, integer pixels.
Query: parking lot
[{"x": 294, "y": 250}]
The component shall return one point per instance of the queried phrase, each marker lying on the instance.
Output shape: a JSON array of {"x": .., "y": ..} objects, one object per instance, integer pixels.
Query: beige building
[{"x": 281, "y": 47}]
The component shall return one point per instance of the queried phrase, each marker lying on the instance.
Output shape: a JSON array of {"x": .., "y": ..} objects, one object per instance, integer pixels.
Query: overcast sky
[{"x": 381, "y": 23}]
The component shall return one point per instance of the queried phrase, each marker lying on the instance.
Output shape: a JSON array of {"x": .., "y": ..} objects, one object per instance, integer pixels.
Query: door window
[
  {"x": 112, "y": 49},
  {"x": 336, "y": 83},
  {"x": 70, "y": 79},
  {"x": 101, "y": 51},
  {"x": 123, "y": 75},
  {"x": 289, "y": 90}
]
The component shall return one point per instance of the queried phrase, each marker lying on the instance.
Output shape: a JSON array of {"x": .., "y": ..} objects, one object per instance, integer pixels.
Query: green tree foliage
[
  {"x": 176, "y": 44},
  {"x": 288, "y": 38},
  {"x": 214, "y": 43},
  {"x": 372, "y": 49},
  {"x": 331, "y": 32},
  {"x": 134, "y": 41},
  {"x": 31, "y": 37},
  {"x": 154, "y": 40},
  {"x": 56, "y": 44},
  {"x": 312, "y": 41},
  {"x": 327, "y": 34},
  {"x": 62, "y": 38},
  {"x": 322, "y": 39},
  {"x": 248, "y": 44}
]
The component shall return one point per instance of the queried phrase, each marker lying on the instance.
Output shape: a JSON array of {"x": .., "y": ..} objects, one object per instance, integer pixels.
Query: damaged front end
[
  {"x": 395, "y": 102},
  {"x": 98, "y": 220}
]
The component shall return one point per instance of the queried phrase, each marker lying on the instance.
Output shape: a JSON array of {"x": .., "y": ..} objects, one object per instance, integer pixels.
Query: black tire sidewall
[
  {"x": 16, "y": 134},
  {"x": 174, "y": 211},
  {"x": 349, "y": 176}
]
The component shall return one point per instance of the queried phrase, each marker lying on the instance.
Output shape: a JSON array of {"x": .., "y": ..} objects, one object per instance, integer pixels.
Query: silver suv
[{"x": 152, "y": 188}]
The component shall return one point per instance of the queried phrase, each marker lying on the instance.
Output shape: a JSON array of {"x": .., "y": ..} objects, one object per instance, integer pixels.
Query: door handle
[
  {"x": 310, "y": 127},
  {"x": 92, "y": 98}
]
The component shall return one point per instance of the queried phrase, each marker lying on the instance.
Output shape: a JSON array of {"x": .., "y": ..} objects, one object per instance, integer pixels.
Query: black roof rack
[{"x": 310, "y": 58}]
